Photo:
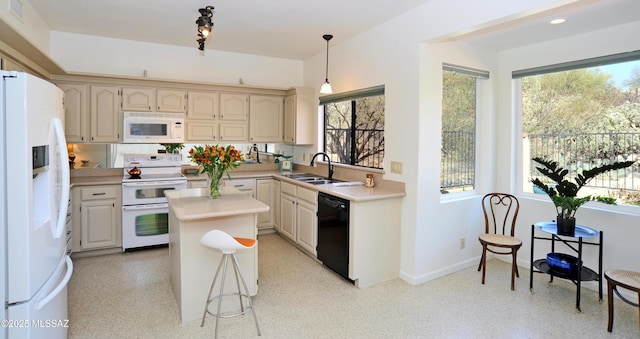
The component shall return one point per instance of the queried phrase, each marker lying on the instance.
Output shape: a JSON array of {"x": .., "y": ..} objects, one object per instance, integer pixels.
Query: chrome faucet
[
  {"x": 313, "y": 159},
  {"x": 251, "y": 149}
]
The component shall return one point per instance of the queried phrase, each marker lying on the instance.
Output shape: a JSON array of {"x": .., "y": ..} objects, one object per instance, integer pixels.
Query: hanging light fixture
[
  {"x": 205, "y": 25},
  {"x": 326, "y": 87}
]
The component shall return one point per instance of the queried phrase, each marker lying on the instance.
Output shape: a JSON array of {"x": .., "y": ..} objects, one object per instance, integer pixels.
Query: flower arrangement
[{"x": 215, "y": 161}]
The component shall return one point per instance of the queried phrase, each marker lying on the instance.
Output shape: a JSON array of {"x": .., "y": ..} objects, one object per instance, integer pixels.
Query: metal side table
[{"x": 583, "y": 273}]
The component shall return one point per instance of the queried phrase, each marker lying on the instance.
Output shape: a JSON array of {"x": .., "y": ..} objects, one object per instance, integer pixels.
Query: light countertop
[{"x": 195, "y": 203}]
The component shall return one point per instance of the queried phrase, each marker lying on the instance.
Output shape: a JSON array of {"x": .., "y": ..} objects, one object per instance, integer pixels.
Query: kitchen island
[{"x": 192, "y": 213}]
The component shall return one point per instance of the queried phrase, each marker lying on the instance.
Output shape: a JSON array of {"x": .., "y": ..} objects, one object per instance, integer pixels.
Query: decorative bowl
[{"x": 563, "y": 263}]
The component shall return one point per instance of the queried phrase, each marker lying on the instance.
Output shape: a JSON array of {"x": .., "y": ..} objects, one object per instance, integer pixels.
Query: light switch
[{"x": 396, "y": 167}]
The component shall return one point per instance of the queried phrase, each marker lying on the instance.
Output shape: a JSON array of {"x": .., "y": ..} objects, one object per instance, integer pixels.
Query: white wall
[
  {"x": 397, "y": 54},
  {"x": 90, "y": 54}
]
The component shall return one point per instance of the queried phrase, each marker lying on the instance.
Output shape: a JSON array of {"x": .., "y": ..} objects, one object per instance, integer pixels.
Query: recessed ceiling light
[{"x": 558, "y": 21}]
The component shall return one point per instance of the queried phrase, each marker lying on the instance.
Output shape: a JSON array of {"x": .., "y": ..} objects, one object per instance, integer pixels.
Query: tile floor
[{"x": 128, "y": 295}]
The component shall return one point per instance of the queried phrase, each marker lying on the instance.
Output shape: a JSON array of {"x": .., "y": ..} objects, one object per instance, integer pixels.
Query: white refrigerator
[{"x": 34, "y": 169}]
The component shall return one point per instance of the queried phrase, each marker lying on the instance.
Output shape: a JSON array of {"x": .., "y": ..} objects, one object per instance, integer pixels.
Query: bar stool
[
  {"x": 625, "y": 279},
  {"x": 228, "y": 245}
]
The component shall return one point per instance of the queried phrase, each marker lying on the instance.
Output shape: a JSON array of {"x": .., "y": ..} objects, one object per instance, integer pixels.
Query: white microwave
[{"x": 153, "y": 128}]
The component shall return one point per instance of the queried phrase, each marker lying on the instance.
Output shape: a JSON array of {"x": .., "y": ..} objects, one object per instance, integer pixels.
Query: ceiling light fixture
[
  {"x": 205, "y": 25},
  {"x": 326, "y": 87},
  {"x": 558, "y": 21}
]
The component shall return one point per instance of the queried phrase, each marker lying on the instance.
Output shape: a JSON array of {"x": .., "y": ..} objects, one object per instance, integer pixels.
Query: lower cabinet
[
  {"x": 264, "y": 193},
  {"x": 275, "y": 205},
  {"x": 299, "y": 222},
  {"x": 197, "y": 184},
  {"x": 97, "y": 217}
]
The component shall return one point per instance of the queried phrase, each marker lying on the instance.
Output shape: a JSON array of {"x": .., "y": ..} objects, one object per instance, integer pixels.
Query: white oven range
[{"x": 145, "y": 211}]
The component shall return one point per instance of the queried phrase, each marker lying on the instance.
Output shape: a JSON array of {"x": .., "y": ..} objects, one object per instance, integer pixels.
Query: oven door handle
[
  {"x": 144, "y": 207},
  {"x": 154, "y": 183}
]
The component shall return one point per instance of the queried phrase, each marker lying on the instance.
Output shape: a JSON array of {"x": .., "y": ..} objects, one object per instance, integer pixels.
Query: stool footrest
[{"x": 226, "y": 315}]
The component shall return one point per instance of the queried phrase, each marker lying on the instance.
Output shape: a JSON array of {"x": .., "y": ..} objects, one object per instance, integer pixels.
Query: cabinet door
[
  {"x": 290, "y": 119},
  {"x": 171, "y": 100},
  {"x": 75, "y": 112},
  {"x": 265, "y": 118},
  {"x": 288, "y": 216},
  {"x": 98, "y": 224},
  {"x": 202, "y": 131},
  {"x": 234, "y": 106},
  {"x": 203, "y": 105},
  {"x": 105, "y": 114},
  {"x": 264, "y": 193},
  {"x": 233, "y": 132},
  {"x": 197, "y": 184},
  {"x": 138, "y": 99},
  {"x": 301, "y": 109},
  {"x": 307, "y": 231},
  {"x": 275, "y": 206}
]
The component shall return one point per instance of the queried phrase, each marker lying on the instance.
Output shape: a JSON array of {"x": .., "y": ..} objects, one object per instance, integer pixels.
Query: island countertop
[{"x": 195, "y": 203}]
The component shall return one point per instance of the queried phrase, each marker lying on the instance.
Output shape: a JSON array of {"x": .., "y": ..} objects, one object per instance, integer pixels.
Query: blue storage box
[{"x": 563, "y": 263}]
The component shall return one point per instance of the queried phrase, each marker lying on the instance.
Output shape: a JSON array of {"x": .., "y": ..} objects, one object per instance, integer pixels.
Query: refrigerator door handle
[
  {"x": 69, "y": 265},
  {"x": 64, "y": 167}
]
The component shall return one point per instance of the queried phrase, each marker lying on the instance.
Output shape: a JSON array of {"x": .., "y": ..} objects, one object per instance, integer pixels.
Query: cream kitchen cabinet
[
  {"x": 298, "y": 208},
  {"x": 287, "y": 213},
  {"x": 233, "y": 131},
  {"x": 203, "y": 105},
  {"x": 169, "y": 100},
  {"x": 275, "y": 205},
  {"x": 234, "y": 106},
  {"x": 265, "y": 118},
  {"x": 300, "y": 111},
  {"x": 105, "y": 117},
  {"x": 202, "y": 131},
  {"x": 264, "y": 193},
  {"x": 97, "y": 217},
  {"x": 138, "y": 99},
  {"x": 246, "y": 186},
  {"x": 76, "y": 108},
  {"x": 197, "y": 183},
  {"x": 306, "y": 214}
]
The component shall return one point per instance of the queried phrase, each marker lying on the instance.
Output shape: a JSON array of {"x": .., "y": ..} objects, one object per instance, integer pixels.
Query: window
[
  {"x": 458, "y": 145},
  {"x": 354, "y": 127},
  {"x": 581, "y": 115}
]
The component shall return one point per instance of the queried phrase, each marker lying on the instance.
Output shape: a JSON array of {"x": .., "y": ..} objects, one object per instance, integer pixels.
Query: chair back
[{"x": 500, "y": 213}]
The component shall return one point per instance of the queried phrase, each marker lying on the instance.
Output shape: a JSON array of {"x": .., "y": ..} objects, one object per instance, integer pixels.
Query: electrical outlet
[
  {"x": 461, "y": 243},
  {"x": 396, "y": 167}
]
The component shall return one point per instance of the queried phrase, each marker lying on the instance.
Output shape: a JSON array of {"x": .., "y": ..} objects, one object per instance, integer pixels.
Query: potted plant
[
  {"x": 564, "y": 193},
  {"x": 173, "y": 148}
]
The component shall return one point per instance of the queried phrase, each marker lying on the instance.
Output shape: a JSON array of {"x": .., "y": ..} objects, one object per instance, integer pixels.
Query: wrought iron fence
[
  {"x": 577, "y": 152},
  {"x": 574, "y": 151},
  {"x": 457, "y": 160},
  {"x": 368, "y": 151}
]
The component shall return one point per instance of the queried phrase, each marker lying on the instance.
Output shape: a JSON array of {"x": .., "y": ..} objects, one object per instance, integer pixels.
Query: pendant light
[{"x": 326, "y": 87}]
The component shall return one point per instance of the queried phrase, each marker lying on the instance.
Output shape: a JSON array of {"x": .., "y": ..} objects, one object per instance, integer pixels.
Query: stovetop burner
[{"x": 133, "y": 177}]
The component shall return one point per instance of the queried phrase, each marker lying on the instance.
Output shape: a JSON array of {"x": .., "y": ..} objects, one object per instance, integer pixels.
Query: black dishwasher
[{"x": 333, "y": 233}]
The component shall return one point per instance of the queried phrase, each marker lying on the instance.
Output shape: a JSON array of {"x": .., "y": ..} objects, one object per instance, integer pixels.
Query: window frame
[
  {"x": 344, "y": 97},
  {"x": 517, "y": 76}
]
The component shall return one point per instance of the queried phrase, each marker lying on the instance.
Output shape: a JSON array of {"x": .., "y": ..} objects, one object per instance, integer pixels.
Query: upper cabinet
[
  {"x": 234, "y": 106},
  {"x": 138, "y": 99},
  {"x": 300, "y": 109},
  {"x": 76, "y": 106},
  {"x": 105, "y": 114},
  {"x": 203, "y": 105},
  {"x": 168, "y": 100},
  {"x": 265, "y": 118}
]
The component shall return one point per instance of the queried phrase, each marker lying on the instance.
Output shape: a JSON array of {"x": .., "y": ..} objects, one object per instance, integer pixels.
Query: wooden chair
[
  {"x": 625, "y": 279},
  {"x": 500, "y": 214}
]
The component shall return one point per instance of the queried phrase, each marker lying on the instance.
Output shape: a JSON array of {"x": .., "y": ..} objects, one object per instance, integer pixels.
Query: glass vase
[{"x": 215, "y": 180}]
